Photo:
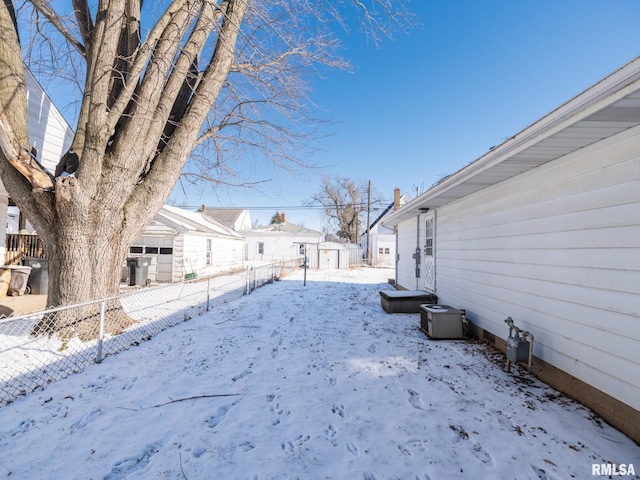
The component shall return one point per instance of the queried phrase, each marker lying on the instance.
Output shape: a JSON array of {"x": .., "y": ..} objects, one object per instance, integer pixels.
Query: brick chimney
[
  {"x": 396, "y": 198},
  {"x": 282, "y": 218}
]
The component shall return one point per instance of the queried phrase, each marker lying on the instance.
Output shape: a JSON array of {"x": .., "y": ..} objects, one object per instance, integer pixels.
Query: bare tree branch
[
  {"x": 345, "y": 201},
  {"x": 216, "y": 85},
  {"x": 45, "y": 9}
]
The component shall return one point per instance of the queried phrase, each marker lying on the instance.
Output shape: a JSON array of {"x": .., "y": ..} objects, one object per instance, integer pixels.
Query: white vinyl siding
[
  {"x": 49, "y": 133},
  {"x": 226, "y": 254},
  {"x": 556, "y": 249},
  {"x": 383, "y": 249},
  {"x": 277, "y": 246}
]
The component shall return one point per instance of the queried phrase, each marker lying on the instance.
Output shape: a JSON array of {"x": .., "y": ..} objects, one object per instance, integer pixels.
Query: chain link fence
[
  {"x": 260, "y": 275},
  {"x": 39, "y": 348}
]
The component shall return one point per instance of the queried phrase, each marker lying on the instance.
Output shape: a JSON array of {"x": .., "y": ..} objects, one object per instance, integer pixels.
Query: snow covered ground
[{"x": 304, "y": 382}]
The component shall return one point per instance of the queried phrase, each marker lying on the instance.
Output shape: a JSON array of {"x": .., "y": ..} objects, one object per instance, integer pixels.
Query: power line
[{"x": 283, "y": 207}]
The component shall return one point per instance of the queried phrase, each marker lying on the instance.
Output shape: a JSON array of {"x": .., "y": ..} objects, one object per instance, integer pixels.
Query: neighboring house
[
  {"x": 545, "y": 228},
  {"x": 50, "y": 136},
  {"x": 382, "y": 238},
  {"x": 236, "y": 219},
  {"x": 179, "y": 242},
  {"x": 280, "y": 241}
]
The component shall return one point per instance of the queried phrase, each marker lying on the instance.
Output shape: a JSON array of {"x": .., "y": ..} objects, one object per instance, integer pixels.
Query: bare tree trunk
[
  {"x": 86, "y": 249},
  {"x": 228, "y": 73}
]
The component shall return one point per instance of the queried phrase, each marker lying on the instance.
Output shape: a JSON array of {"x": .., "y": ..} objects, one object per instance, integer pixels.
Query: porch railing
[{"x": 19, "y": 246}]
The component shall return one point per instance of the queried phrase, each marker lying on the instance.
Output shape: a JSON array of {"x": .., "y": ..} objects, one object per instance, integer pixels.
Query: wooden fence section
[{"x": 19, "y": 246}]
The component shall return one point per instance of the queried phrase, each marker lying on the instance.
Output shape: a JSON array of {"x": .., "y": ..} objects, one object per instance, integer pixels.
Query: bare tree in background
[
  {"x": 345, "y": 201},
  {"x": 218, "y": 77}
]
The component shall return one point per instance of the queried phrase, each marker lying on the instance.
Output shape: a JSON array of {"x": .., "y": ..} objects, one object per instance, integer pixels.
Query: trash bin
[
  {"x": 5, "y": 279},
  {"x": 19, "y": 279},
  {"x": 139, "y": 270},
  {"x": 39, "y": 278}
]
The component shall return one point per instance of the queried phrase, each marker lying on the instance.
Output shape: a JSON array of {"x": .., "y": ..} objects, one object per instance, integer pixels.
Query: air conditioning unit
[{"x": 441, "y": 321}]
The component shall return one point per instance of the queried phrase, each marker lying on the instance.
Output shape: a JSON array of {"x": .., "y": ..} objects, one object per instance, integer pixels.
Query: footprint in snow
[
  {"x": 476, "y": 448},
  {"x": 220, "y": 414},
  {"x": 246, "y": 446},
  {"x": 330, "y": 434},
  {"x": 372, "y": 348},
  {"x": 543, "y": 474},
  {"x": 405, "y": 451},
  {"x": 353, "y": 449},
  {"x": 241, "y": 375},
  {"x": 129, "y": 385},
  {"x": 338, "y": 410},
  {"x": 278, "y": 413},
  {"x": 332, "y": 381},
  {"x": 415, "y": 399},
  {"x": 87, "y": 419},
  {"x": 481, "y": 454},
  {"x": 134, "y": 463},
  {"x": 292, "y": 446}
]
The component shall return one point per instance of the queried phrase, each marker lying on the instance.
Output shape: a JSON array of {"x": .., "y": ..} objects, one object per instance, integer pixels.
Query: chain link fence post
[
  {"x": 208, "y": 292},
  {"x": 100, "y": 332}
]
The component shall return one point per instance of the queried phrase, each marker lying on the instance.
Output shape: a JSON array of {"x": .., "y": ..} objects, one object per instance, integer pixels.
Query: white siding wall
[
  {"x": 558, "y": 250},
  {"x": 385, "y": 242},
  {"x": 178, "y": 259},
  {"x": 226, "y": 254},
  {"x": 49, "y": 133},
  {"x": 407, "y": 238},
  {"x": 276, "y": 246}
]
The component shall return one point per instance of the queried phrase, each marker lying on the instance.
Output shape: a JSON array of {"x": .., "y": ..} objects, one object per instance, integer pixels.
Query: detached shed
[
  {"x": 179, "y": 242},
  {"x": 327, "y": 255}
]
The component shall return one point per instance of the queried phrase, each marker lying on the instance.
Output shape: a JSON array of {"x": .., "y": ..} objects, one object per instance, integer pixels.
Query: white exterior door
[
  {"x": 328, "y": 259},
  {"x": 429, "y": 249}
]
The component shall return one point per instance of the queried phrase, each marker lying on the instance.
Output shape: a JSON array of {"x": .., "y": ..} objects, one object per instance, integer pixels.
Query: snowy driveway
[{"x": 321, "y": 383}]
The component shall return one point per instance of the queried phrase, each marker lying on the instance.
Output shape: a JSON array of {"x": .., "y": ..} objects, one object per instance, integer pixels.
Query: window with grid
[
  {"x": 428, "y": 248},
  {"x": 209, "y": 251}
]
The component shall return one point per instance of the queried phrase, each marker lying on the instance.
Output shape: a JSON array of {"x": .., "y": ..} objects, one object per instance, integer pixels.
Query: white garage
[{"x": 180, "y": 242}]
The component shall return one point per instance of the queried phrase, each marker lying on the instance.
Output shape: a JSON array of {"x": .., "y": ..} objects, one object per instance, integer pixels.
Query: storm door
[{"x": 430, "y": 252}]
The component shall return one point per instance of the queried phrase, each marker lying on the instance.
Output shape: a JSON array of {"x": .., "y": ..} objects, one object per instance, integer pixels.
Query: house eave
[{"x": 605, "y": 109}]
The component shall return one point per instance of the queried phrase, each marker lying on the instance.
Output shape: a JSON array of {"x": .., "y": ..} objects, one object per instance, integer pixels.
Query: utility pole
[{"x": 368, "y": 222}]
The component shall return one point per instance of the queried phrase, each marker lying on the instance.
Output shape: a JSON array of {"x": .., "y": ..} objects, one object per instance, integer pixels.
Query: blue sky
[{"x": 424, "y": 105}]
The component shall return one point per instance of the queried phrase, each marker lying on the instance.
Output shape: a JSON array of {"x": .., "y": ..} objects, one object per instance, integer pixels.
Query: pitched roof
[
  {"x": 228, "y": 216},
  {"x": 195, "y": 222},
  {"x": 403, "y": 199},
  {"x": 287, "y": 228}
]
